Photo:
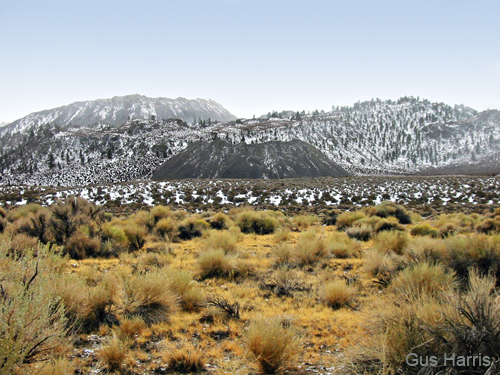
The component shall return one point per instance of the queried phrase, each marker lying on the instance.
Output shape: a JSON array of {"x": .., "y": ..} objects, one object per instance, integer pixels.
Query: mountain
[
  {"x": 2, "y": 124},
  {"x": 406, "y": 136},
  {"x": 274, "y": 159},
  {"x": 118, "y": 110}
]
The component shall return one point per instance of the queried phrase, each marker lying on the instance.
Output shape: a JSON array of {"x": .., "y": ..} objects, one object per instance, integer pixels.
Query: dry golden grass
[
  {"x": 113, "y": 354},
  {"x": 338, "y": 294},
  {"x": 272, "y": 343},
  {"x": 318, "y": 281},
  {"x": 185, "y": 359}
]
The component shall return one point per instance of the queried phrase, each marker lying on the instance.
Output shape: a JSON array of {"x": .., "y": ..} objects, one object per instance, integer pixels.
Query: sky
[{"x": 252, "y": 56}]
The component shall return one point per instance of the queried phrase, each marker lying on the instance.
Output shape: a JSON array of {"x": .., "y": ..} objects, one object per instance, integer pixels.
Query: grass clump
[
  {"x": 187, "y": 359},
  {"x": 58, "y": 366},
  {"x": 305, "y": 221},
  {"x": 149, "y": 297},
  {"x": 215, "y": 263},
  {"x": 454, "y": 323},
  {"x": 129, "y": 329},
  {"x": 283, "y": 254},
  {"x": 391, "y": 241},
  {"x": 424, "y": 280},
  {"x": 182, "y": 283},
  {"x": 310, "y": 248},
  {"x": 271, "y": 344},
  {"x": 222, "y": 240},
  {"x": 113, "y": 355},
  {"x": 338, "y": 294},
  {"x": 88, "y": 307}
]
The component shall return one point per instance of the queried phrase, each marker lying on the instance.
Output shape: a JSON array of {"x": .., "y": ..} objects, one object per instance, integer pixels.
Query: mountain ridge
[
  {"x": 117, "y": 110},
  {"x": 403, "y": 137}
]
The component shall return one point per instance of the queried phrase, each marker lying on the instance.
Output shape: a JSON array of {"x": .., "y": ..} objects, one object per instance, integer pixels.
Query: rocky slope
[{"x": 219, "y": 159}]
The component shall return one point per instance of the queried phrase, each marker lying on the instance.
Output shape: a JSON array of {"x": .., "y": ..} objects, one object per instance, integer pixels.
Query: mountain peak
[{"x": 118, "y": 110}]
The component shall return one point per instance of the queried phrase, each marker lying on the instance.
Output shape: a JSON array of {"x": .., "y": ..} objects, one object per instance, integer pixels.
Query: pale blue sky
[{"x": 252, "y": 56}]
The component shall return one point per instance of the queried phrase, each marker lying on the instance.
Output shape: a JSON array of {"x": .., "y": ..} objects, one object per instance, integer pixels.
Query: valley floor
[{"x": 152, "y": 290}]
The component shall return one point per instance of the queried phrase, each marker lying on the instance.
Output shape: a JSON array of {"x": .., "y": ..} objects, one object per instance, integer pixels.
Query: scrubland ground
[{"x": 157, "y": 291}]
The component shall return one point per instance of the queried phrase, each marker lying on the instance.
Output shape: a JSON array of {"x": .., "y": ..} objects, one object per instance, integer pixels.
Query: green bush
[
  {"x": 424, "y": 229},
  {"x": 388, "y": 225},
  {"x": 220, "y": 221},
  {"x": 257, "y": 222},
  {"x": 347, "y": 219},
  {"x": 192, "y": 227},
  {"x": 23, "y": 211},
  {"x": 160, "y": 212},
  {"x": 167, "y": 228},
  {"x": 136, "y": 236}
]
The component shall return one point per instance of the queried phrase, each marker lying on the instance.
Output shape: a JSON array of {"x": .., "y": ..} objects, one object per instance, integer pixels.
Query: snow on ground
[{"x": 321, "y": 191}]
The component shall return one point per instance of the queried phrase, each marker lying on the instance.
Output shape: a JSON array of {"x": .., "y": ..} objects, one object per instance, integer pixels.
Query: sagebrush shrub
[
  {"x": 388, "y": 225},
  {"x": 160, "y": 212},
  {"x": 305, "y": 221},
  {"x": 32, "y": 319},
  {"x": 424, "y": 229},
  {"x": 192, "y": 227},
  {"x": 257, "y": 222},
  {"x": 220, "y": 221},
  {"x": 136, "y": 235},
  {"x": 347, "y": 219},
  {"x": 80, "y": 246},
  {"x": 361, "y": 233},
  {"x": 167, "y": 228}
]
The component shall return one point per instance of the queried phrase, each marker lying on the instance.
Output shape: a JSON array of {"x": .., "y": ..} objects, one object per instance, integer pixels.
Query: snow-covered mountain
[
  {"x": 407, "y": 136},
  {"x": 118, "y": 110}
]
